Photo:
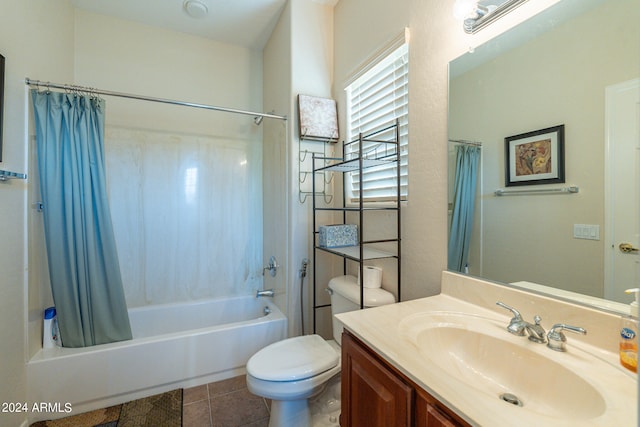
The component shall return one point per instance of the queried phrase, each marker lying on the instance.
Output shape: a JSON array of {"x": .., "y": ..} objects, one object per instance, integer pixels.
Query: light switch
[{"x": 586, "y": 231}]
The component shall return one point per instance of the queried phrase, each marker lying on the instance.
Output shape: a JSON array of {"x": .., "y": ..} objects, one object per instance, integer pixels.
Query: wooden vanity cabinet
[
  {"x": 431, "y": 413},
  {"x": 372, "y": 395},
  {"x": 375, "y": 394}
]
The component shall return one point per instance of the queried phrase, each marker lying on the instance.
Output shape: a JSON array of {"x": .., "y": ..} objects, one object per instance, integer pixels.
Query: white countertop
[{"x": 380, "y": 328}]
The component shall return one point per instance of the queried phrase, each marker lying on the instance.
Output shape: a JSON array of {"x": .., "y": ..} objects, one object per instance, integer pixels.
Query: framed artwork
[
  {"x": 1, "y": 101},
  {"x": 535, "y": 158},
  {"x": 318, "y": 118}
]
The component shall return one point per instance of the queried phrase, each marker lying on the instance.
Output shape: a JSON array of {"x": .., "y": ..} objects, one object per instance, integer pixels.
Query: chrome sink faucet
[
  {"x": 520, "y": 327},
  {"x": 536, "y": 331},
  {"x": 557, "y": 339}
]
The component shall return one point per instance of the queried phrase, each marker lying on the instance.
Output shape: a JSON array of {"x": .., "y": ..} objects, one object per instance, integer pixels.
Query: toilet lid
[{"x": 293, "y": 359}]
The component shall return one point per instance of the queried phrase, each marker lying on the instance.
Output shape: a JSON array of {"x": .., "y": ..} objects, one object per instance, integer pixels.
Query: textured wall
[
  {"x": 36, "y": 38},
  {"x": 361, "y": 28}
]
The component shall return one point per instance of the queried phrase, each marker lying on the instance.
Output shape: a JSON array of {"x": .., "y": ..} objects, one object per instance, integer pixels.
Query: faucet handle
[
  {"x": 556, "y": 339},
  {"x": 516, "y": 325},
  {"x": 516, "y": 313},
  {"x": 272, "y": 267}
]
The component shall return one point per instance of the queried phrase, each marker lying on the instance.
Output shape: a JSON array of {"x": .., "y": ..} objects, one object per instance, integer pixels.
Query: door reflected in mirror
[{"x": 561, "y": 67}]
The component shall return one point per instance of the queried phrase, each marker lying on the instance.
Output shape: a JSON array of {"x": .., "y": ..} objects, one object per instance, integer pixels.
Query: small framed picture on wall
[
  {"x": 535, "y": 158},
  {"x": 318, "y": 118}
]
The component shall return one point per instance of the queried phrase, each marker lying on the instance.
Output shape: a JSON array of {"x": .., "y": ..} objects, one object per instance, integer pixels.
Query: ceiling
[{"x": 247, "y": 23}]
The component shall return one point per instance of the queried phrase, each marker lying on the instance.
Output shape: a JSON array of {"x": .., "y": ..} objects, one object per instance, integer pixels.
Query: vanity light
[
  {"x": 463, "y": 9},
  {"x": 195, "y": 8},
  {"x": 478, "y": 14}
]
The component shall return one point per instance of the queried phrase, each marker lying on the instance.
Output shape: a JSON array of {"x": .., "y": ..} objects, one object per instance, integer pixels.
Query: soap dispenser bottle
[{"x": 629, "y": 335}]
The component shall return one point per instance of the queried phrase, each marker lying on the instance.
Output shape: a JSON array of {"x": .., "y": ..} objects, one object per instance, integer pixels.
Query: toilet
[{"x": 291, "y": 371}]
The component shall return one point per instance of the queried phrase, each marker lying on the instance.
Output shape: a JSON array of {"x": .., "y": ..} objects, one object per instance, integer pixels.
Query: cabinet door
[
  {"x": 428, "y": 414},
  {"x": 372, "y": 396},
  {"x": 437, "y": 418}
]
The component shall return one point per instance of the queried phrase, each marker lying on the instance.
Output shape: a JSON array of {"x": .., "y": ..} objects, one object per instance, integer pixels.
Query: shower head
[{"x": 258, "y": 120}]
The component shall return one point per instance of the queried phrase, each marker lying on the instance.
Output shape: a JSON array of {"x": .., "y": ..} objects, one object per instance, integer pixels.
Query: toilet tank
[{"x": 345, "y": 296}]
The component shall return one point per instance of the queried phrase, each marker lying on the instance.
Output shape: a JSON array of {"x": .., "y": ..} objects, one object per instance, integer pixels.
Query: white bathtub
[{"x": 173, "y": 346}]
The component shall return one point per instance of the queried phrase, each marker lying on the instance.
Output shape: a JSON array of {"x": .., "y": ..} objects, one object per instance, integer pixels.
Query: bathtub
[{"x": 173, "y": 346}]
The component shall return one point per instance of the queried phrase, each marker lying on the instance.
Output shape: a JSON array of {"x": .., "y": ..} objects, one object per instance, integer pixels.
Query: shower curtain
[
  {"x": 467, "y": 159},
  {"x": 187, "y": 211},
  {"x": 83, "y": 264}
]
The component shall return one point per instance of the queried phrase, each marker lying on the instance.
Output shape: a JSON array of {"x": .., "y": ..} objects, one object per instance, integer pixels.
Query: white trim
[
  {"x": 378, "y": 56},
  {"x": 609, "y": 243}
]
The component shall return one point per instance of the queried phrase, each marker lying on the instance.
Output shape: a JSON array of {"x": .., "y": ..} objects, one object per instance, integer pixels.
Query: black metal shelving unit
[{"x": 372, "y": 150}]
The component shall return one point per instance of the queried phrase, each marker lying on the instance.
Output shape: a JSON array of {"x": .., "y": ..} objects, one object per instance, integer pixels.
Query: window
[{"x": 374, "y": 101}]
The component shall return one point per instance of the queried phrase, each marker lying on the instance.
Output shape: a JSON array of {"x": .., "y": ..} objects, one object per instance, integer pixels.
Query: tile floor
[
  {"x": 225, "y": 403},
  {"x": 228, "y": 403}
]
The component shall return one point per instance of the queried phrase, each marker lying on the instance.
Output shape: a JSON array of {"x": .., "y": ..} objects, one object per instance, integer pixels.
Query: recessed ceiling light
[{"x": 195, "y": 8}]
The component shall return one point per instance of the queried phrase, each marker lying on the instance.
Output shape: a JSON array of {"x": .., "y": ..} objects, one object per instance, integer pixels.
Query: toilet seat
[{"x": 293, "y": 359}]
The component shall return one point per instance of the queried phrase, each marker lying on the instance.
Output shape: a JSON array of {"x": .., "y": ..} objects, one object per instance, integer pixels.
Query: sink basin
[{"x": 481, "y": 354}]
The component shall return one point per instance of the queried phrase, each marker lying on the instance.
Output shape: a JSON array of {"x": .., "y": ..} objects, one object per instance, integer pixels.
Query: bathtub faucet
[
  {"x": 265, "y": 293},
  {"x": 272, "y": 267}
]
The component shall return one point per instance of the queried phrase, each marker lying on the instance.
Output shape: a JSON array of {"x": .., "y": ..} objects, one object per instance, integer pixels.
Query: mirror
[{"x": 555, "y": 69}]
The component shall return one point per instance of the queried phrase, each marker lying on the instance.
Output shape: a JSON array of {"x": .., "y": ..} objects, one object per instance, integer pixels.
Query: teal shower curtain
[
  {"x": 81, "y": 250},
  {"x": 467, "y": 159}
]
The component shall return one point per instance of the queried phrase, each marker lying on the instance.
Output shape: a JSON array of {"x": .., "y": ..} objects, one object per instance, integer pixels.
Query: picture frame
[
  {"x": 1, "y": 102},
  {"x": 535, "y": 158},
  {"x": 317, "y": 118}
]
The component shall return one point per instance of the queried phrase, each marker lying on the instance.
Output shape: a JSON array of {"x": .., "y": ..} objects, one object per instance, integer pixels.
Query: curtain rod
[
  {"x": 48, "y": 85},
  {"x": 466, "y": 142}
]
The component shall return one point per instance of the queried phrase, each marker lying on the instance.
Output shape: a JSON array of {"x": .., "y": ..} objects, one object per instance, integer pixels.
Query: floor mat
[{"x": 160, "y": 410}]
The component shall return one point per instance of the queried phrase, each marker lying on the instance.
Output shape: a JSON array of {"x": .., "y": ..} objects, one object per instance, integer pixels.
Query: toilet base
[{"x": 290, "y": 413}]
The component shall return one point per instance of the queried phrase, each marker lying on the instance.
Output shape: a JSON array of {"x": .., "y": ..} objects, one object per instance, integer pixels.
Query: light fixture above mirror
[{"x": 478, "y": 14}]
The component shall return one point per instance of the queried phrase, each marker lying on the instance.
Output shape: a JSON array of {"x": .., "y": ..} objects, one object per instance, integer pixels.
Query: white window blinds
[{"x": 374, "y": 101}]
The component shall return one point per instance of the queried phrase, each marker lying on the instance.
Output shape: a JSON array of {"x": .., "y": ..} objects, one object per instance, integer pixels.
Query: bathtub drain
[{"x": 511, "y": 398}]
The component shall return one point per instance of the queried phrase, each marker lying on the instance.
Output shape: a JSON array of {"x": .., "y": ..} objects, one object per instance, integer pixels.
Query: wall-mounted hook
[
  {"x": 330, "y": 178},
  {"x": 37, "y": 206},
  {"x": 303, "y": 195},
  {"x": 303, "y": 176},
  {"x": 301, "y": 157},
  {"x": 306, "y": 153}
]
